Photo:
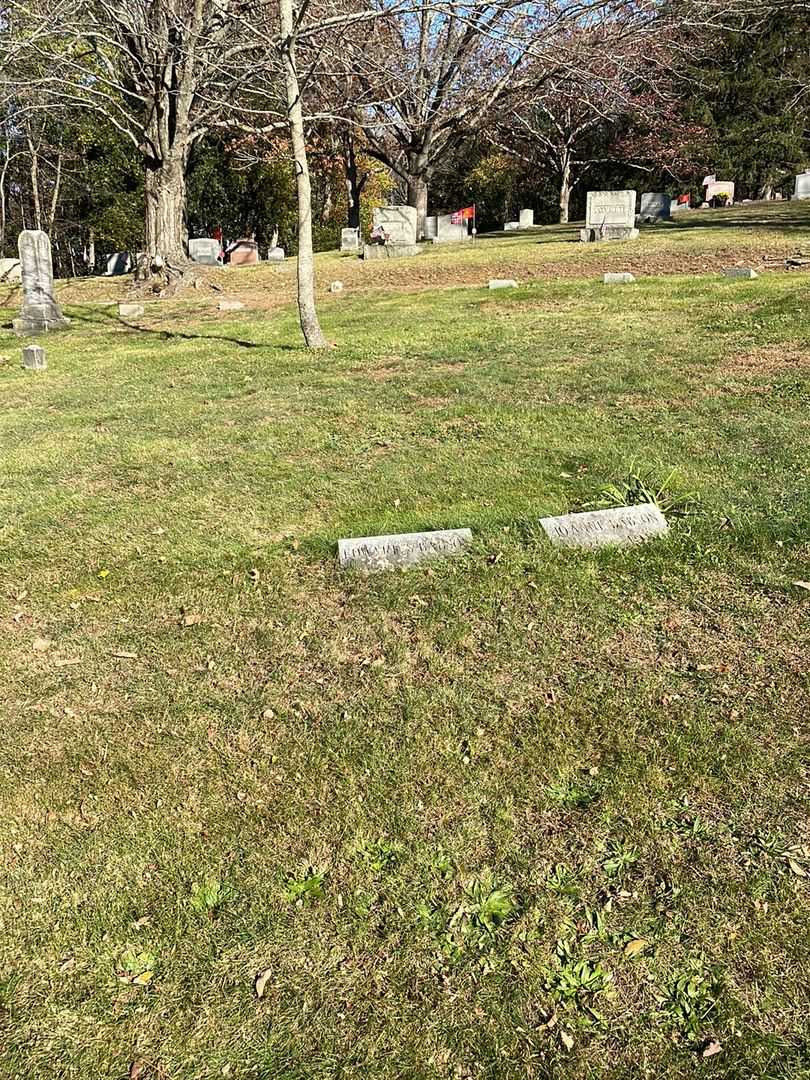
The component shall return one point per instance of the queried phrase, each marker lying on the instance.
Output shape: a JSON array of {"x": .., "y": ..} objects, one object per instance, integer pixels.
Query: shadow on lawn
[{"x": 96, "y": 317}]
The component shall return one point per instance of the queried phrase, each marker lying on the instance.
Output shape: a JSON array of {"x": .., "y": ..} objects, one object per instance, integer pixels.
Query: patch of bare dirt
[{"x": 767, "y": 360}]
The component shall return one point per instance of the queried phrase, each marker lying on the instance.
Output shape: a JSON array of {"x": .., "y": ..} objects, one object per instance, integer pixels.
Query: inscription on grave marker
[
  {"x": 401, "y": 549},
  {"x": 599, "y": 528}
]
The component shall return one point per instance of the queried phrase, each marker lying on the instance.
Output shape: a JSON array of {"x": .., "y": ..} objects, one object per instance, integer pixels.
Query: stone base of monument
[
  {"x": 389, "y": 250},
  {"x": 40, "y": 319},
  {"x": 608, "y": 232}
]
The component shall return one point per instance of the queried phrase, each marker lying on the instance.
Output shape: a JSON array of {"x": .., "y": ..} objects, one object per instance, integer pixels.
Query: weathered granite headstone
[
  {"x": 335, "y": 286},
  {"x": 130, "y": 311},
  {"x": 40, "y": 311},
  {"x": 10, "y": 271},
  {"x": 802, "y": 187},
  {"x": 511, "y": 226},
  {"x": 120, "y": 262},
  {"x": 205, "y": 250},
  {"x": 402, "y": 549},
  {"x": 720, "y": 187},
  {"x": 350, "y": 240},
  {"x": 502, "y": 283},
  {"x": 655, "y": 206},
  {"x": 398, "y": 223},
  {"x": 447, "y": 231},
  {"x": 618, "y": 279},
  {"x": 526, "y": 219},
  {"x": 275, "y": 254},
  {"x": 230, "y": 305},
  {"x": 599, "y": 528},
  {"x": 610, "y": 215},
  {"x": 33, "y": 358},
  {"x": 740, "y": 273}
]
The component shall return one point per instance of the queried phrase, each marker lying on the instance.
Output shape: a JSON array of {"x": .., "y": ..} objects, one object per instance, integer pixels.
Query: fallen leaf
[
  {"x": 41, "y": 644},
  {"x": 712, "y": 1047},
  {"x": 192, "y": 620},
  {"x": 103, "y": 573},
  {"x": 567, "y": 1040},
  {"x": 797, "y": 868},
  {"x": 137, "y": 1070},
  {"x": 802, "y": 585},
  {"x": 143, "y": 979},
  {"x": 261, "y": 980},
  {"x": 634, "y": 947}
]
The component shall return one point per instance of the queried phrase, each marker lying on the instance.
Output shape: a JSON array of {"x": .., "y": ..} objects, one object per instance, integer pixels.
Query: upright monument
[{"x": 40, "y": 311}]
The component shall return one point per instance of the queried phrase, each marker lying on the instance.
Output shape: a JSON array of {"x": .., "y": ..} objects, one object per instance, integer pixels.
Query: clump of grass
[{"x": 641, "y": 487}]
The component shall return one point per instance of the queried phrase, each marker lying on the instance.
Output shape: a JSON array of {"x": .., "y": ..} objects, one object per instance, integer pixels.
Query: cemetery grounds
[{"x": 523, "y": 813}]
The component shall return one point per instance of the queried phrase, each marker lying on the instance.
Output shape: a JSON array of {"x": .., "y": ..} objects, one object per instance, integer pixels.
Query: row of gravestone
[
  {"x": 618, "y": 527},
  {"x": 205, "y": 250}
]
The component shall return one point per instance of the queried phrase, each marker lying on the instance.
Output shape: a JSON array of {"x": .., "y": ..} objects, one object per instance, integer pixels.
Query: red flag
[{"x": 460, "y": 216}]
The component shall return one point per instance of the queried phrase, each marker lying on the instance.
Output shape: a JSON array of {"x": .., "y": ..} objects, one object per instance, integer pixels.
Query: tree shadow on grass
[{"x": 97, "y": 318}]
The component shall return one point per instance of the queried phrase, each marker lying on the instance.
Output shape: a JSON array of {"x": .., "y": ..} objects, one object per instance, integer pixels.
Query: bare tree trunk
[
  {"x": 418, "y": 197},
  {"x": 57, "y": 188},
  {"x": 307, "y": 312},
  {"x": 565, "y": 191},
  {"x": 34, "y": 171},
  {"x": 165, "y": 210}
]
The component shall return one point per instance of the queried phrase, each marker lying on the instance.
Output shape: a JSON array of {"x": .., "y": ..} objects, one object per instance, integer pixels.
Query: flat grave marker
[
  {"x": 618, "y": 526},
  {"x": 375, "y": 553},
  {"x": 502, "y": 283},
  {"x": 618, "y": 279},
  {"x": 740, "y": 273}
]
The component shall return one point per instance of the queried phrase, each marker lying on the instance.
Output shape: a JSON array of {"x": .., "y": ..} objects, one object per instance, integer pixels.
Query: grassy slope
[{"x": 591, "y": 748}]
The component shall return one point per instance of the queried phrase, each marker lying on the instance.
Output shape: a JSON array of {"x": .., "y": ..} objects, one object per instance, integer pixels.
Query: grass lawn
[{"x": 524, "y": 813}]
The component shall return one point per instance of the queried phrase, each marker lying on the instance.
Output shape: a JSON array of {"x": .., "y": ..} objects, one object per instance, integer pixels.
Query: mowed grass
[{"x": 525, "y": 813}]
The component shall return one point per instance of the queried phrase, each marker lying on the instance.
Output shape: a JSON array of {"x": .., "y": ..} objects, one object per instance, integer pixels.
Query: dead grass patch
[{"x": 772, "y": 359}]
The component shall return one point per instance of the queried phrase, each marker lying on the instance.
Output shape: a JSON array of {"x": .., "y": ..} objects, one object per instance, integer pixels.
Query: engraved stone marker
[
  {"x": 243, "y": 253},
  {"x": 610, "y": 215},
  {"x": 511, "y": 226},
  {"x": 802, "y": 188},
  {"x": 447, "y": 231},
  {"x": 744, "y": 273},
  {"x": 397, "y": 225},
  {"x": 401, "y": 549},
  {"x": 33, "y": 358},
  {"x": 655, "y": 206},
  {"x": 230, "y": 305},
  {"x": 618, "y": 279},
  {"x": 205, "y": 250},
  {"x": 335, "y": 286},
  {"x": 40, "y": 311},
  {"x": 599, "y": 528},
  {"x": 130, "y": 311},
  {"x": 276, "y": 254},
  {"x": 526, "y": 219},
  {"x": 503, "y": 283},
  {"x": 349, "y": 239},
  {"x": 720, "y": 187}
]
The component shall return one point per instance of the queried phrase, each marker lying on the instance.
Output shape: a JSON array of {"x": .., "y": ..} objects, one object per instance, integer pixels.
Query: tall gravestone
[
  {"x": 40, "y": 311},
  {"x": 802, "y": 188},
  {"x": 527, "y": 219},
  {"x": 610, "y": 215}
]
